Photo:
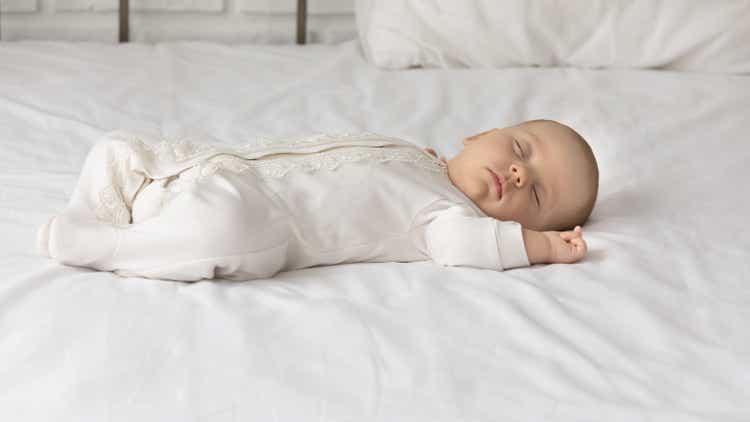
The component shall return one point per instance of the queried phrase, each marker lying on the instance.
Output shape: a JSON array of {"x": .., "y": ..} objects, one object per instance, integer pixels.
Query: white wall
[{"x": 229, "y": 21}]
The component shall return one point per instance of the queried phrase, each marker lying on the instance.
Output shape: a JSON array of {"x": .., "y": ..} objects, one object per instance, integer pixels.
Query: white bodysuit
[{"x": 189, "y": 211}]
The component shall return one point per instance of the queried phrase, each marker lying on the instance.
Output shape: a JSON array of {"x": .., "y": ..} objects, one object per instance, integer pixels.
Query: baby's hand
[{"x": 566, "y": 247}]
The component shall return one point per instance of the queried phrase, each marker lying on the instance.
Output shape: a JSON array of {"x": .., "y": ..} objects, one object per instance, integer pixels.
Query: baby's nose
[{"x": 517, "y": 175}]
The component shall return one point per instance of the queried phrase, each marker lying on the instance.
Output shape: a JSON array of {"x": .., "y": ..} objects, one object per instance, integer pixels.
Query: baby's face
[{"x": 539, "y": 173}]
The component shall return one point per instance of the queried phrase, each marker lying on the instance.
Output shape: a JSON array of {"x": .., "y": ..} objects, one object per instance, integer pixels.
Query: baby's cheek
[{"x": 520, "y": 211}]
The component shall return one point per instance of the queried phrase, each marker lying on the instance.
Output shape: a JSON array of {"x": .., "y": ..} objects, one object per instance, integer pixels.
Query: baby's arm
[
  {"x": 456, "y": 237},
  {"x": 554, "y": 247}
]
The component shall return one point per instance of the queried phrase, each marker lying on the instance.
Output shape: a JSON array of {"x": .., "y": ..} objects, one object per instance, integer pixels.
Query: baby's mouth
[{"x": 498, "y": 185}]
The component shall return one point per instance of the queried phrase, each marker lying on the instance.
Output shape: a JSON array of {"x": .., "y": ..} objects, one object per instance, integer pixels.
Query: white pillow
[{"x": 698, "y": 35}]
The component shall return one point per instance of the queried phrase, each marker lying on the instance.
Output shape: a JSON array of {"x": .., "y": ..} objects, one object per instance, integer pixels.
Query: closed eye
[
  {"x": 520, "y": 150},
  {"x": 536, "y": 195}
]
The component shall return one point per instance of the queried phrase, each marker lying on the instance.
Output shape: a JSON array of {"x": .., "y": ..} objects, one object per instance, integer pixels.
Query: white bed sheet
[{"x": 653, "y": 325}]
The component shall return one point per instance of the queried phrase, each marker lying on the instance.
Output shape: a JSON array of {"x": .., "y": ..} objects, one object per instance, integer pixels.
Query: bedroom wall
[{"x": 230, "y": 21}]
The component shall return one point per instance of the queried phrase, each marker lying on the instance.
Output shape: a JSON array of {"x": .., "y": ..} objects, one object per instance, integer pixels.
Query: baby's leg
[
  {"x": 108, "y": 182},
  {"x": 107, "y": 185},
  {"x": 225, "y": 228}
]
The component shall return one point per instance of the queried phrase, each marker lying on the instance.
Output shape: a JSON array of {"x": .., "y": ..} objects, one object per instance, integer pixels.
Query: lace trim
[
  {"x": 183, "y": 149},
  {"x": 112, "y": 208},
  {"x": 320, "y": 137},
  {"x": 332, "y": 159},
  {"x": 278, "y": 167}
]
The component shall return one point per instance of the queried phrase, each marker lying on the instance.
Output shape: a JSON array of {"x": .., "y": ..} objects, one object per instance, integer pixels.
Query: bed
[{"x": 652, "y": 325}]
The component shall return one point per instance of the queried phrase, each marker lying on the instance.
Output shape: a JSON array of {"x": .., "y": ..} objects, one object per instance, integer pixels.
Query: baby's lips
[{"x": 499, "y": 181}]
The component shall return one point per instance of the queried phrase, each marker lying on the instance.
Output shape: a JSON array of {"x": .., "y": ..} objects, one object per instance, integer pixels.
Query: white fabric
[
  {"x": 458, "y": 237},
  {"x": 244, "y": 213},
  {"x": 651, "y": 325},
  {"x": 694, "y": 35}
]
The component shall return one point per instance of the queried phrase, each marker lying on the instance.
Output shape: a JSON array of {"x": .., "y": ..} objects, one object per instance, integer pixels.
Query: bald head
[{"x": 581, "y": 164}]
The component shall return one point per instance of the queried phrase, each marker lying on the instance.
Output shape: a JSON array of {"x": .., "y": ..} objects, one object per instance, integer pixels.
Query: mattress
[{"x": 651, "y": 325}]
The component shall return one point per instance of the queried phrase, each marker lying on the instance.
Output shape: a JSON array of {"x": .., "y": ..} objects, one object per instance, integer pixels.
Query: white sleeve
[{"x": 456, "y": 238}]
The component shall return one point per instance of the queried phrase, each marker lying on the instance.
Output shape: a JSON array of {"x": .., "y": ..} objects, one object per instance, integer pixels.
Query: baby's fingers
[
  {"x": 579, "y": 247},
  {"x": 567, "y": 236}
]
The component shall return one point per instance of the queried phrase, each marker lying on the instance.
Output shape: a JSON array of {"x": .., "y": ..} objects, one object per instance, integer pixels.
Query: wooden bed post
[
  {"x": 123, "y": 23},
  {"x": 301, "y": 21}
]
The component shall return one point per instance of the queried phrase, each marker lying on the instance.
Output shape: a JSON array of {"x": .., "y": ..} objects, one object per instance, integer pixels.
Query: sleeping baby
[{"x": 183, "y": 210}]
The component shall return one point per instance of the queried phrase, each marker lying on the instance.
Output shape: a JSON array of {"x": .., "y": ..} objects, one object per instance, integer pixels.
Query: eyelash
[{"x": 533, "y": 188}]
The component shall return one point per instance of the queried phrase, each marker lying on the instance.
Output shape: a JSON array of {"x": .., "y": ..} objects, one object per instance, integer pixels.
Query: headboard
[{"x": 124, "y": 21}]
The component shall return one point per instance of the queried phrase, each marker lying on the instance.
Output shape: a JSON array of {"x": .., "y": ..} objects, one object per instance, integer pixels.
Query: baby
[{"x": 190, "y": 211}]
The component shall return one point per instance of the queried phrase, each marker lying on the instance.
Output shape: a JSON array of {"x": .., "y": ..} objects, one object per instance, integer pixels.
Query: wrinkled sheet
[{"x": 652, "y": 325}]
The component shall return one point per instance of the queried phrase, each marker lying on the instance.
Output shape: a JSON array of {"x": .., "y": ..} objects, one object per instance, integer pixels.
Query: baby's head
[{"x": 548, "y": 174}]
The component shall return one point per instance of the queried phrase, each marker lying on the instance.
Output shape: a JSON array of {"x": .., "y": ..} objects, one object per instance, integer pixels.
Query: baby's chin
[
  {"x": 495, "y": 210},
  {"x": 490, "y": 207}
]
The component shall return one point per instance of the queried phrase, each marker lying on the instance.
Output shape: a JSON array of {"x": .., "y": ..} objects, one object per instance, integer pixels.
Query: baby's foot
[
  {"x": 42, "y": 238},
  {"x": 75, "y": 241}
]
